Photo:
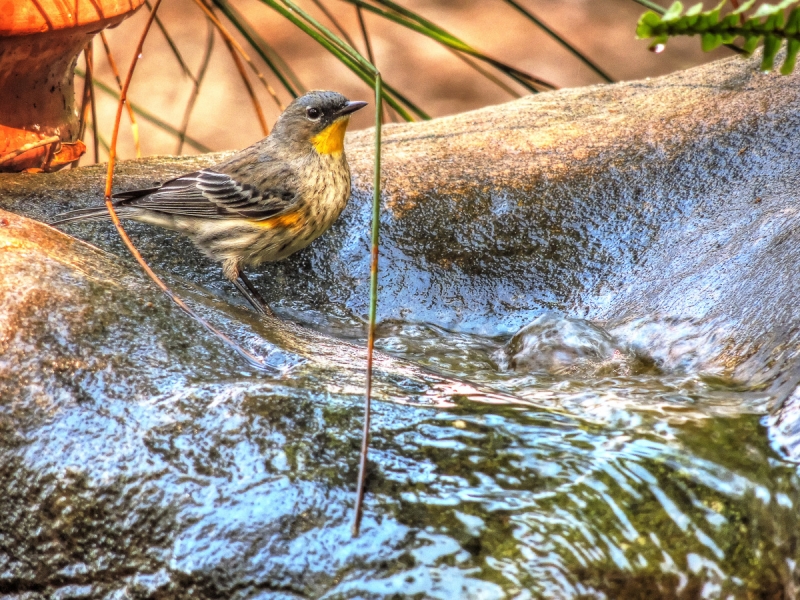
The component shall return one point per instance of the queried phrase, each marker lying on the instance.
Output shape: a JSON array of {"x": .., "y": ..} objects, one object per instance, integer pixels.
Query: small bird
[{"x": 262, "y": 204}]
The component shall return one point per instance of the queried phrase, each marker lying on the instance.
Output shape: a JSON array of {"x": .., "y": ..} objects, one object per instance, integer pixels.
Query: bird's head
[{"x": 318, "y": 118}]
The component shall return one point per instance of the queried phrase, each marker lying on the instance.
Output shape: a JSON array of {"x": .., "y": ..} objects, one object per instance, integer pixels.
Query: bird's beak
[{"x": 350, "y": 108}]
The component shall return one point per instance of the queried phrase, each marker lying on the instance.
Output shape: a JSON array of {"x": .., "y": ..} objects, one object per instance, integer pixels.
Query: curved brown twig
[
  {"x": 226, "y": 34},
  {"x": 198, "y": 80},
  {"x": 112, "y": 155},
  {"x": 249, "y": 87},
  {"x": 113, "y": 64},
  {"x": 89, "y": 54}
]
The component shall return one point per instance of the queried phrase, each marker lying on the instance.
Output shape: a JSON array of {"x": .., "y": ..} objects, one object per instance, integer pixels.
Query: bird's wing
[{"x": 210, "y": 194}]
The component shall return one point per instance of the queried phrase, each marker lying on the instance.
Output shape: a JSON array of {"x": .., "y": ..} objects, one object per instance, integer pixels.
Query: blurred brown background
[{"x": 441, "y": 84}]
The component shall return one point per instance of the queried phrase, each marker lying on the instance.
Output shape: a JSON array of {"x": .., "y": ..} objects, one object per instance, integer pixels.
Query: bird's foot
[{"x": 251, "y": 294}]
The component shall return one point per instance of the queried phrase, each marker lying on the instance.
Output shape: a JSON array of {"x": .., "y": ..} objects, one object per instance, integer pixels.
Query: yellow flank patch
[
  {"x": 331, "y": 139},
  {"x": 289, "y": 220}
]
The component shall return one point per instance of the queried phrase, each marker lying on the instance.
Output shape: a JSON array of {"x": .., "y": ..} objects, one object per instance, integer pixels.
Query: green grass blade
[
  {"x": 345, "y": 53},
  {"x": 473, "y": 64},
  {"x": 412, "y": 15},
  {"x": 435, "y": 33},
  {"x": 332, "y": 18},
  {"x": 394, "y": 93},
  {"x": 364, "y": 35},
  {"x": 261, "y": 47},
  {"x": 173, "y": 47},
  {"x": 575, "y": 52},
  {"x": 356, "y": 56},
  {"x": 652, "y": 6},
  {"x": 332, "y": 37},
  {"x": 430, "y": 25},
  {"x": 100, "y": 139}
]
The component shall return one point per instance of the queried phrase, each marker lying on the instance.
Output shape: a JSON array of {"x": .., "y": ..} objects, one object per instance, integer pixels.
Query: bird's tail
[{"x": 99, "y": 213}]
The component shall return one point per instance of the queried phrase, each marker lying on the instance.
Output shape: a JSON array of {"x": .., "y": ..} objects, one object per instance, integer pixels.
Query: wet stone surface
[{"x": 588, "y": 366}]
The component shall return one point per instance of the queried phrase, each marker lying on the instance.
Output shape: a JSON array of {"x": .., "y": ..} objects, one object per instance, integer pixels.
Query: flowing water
[
  {"x": 571, "y": 460},
  {"x": 605, "y": 472}
]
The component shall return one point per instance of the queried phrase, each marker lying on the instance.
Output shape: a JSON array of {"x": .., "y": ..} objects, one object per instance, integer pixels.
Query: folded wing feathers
[{"x": 210, "y": 195}]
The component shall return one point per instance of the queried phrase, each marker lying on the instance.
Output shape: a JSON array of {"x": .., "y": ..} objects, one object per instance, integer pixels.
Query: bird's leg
[
  {"x": 232, "y": 270},
  {"x": 251, "y": 294}
]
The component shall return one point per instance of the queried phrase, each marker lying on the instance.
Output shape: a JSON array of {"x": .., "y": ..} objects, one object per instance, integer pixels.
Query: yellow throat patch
[{"x": 331, "y": 139}]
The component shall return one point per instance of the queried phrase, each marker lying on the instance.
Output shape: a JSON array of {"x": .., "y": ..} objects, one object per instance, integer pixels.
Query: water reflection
[
  {"x": 560, "y": 508},
  {"x": 655, "y": 479},
  {"x": 608, "y": 473}
]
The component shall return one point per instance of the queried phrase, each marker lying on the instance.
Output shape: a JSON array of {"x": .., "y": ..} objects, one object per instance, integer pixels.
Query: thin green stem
[
  {"x": 198, "y": 80},
  {"x": 261, "y": 47},
  {"x": 344, "y": 52},
  {"x": 652, "y": 6},
  {"x": 538, "y": 22},
  {"x": 103, "y": 143},
  {"x": 368, "y": 47},
  {"x": 373, "y": 307},
  {"x": 416, "y": 23},
  {"x": 332, "y": 19},
  {"x": 365, "y": 35}
]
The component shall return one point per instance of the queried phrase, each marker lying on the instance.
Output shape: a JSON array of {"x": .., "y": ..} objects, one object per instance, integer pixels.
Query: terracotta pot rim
[{"x": 27, "y": 17}]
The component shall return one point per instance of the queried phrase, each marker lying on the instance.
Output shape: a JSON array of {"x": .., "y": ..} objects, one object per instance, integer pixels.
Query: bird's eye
[{"x": 313, "y": 113}]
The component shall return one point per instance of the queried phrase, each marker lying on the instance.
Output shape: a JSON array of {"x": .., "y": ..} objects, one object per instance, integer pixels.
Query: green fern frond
[{"x": 773, "y": 23}]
